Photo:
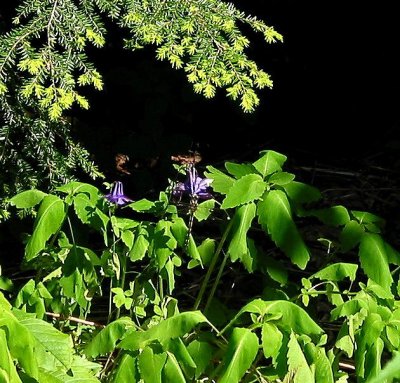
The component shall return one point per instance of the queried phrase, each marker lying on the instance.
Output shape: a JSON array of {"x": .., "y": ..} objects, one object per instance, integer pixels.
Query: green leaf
[
  {"x": 170, "y": 328},
  {"x": 349, "y": 308},
  {"x": 301, "y": 193},
  {"x": 351, "y": 235},
  {"x": 105, "y": 341},
  {"x": 242, "y": 220},
  {"x": 337, "y": 272},
  {"x": 269, "y": 163},
  {"x": 284, "y": 314},
  {"x": 126, "y": 370},
  {"x": 240, "y": 354},
  {"x": 50, "y": 216},
  {"x": 172, "y": 371},
  {"x": 281, "y": 178},
  {"x": 345, "y": 339},
  {"x": 142, "y": 205},
  {"x": 323, "y": 368},
  {"x": 201, "y": 353},
  {"x": 334, "y": 216},
  {"x": 74, "y": 188},
  {"x": 247, "y": 189},
  {"x": 297, "y": 363},
  {"x": 364, "y": 217},
  {"x": 275, "y": 216},
  {"x": 374, "y": 260},
  {"x": 239, "y": 170},
  {"x": 221, "y": 182},
  {"x": 177, "y": 347},
  {"x": 271, "y": 340},
  {"x": 151, "y": 365},
  {"x": 27, "y": 199},
  {"x": 21, "y": 342},
  {"x": 204, "y": 209},
  {"x": 390, "y": 371},
  {"x": 140, "y": 246},
  {"x": 53, "y": 342},
  {"x": 8, "y": 371}
]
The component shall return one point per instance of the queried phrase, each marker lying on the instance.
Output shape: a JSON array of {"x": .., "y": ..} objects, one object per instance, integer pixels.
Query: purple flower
[
  {"x": 194, "y": 186},
  {"x": 117, "y": 195}
]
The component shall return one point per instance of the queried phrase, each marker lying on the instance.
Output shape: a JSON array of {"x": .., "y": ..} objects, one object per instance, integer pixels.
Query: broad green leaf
[
  {"x": 221, "y": 182},
  {"x": 21, "y": 342},
  {"x": 373, "y": 357},
  {"x": 169, "y": 268},
  {"x": 177, "y": 347},
  {"x": 323, "y": 368},
  {"x": 142, "y": 205},
  {"x": 240, "y": 354},
  {"x": 393, "y": 336},
  {"x": 27, "y": 199},
  {"x": 275, "y": 216},
  {"x": 242, "y": 220},
  {"x": 172, "y": 371},
  {"x": 392, "y": 254},
  {"x": 105, "y": 341},
  {"x": 297, "y": 363},
  {"x": 374, "y": 260},
  {"x": 337, "y": 272},
  {"x": 239, "y": 170},
  {"x": 284, "y": 314},
  {"x": 75, "y": 187},
  {"x": 204, "y": 209},
  {"x": 349, "y": 308},
  {"x": 87, "y": 211},
  {"x": 351, "y": 235},
  {"x": 281, "y": 178},
  {"x": 345, "y": 340},
  {"x": 53, "y": 342},
  {"x": 390, "y": 371},
  {"x": 334, "y": 216},
  {"x": 364, "y": 217},
  {"x": 270, "y": 162},
  {"x": 301, "y": 193},
  {"x": 140, "y": 246},
  {"x": 206, "y": 251},
  {"x": 8, "y": 372},
  {"x": 150, "y": 365},
  {"x": 201, "y": 353},
  {"x": 271, "y": 340},
  {"x": 170, "y": 328},
  {"x": 50, "y": 216},
  {"x": 126, "y": 370},
  {"x": 246, "y": 189}
]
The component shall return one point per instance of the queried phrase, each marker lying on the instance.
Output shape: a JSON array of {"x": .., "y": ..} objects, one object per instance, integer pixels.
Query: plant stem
[
  {"x": 216, "y": 282},
  {"x": 212, "y": 266}
]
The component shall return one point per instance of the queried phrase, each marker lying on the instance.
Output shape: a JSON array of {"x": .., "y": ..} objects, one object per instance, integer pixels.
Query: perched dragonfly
[{"x": 195, "y": 188}]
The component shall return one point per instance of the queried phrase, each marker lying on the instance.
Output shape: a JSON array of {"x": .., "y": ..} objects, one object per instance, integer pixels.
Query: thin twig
[{"x": 75, "y": 319}]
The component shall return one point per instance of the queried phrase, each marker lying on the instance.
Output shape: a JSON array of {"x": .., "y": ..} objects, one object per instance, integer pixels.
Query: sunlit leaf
[
  {"x": 240, "y": 354},
  {"x": 374, "y": 260},
  {"x": 275, "y": 216},
  {"x": 246, "y": 189},
  {"x": 241, "y": 223},
  {"x": 170, "y": 328},
  {"x": 27, "y": 199},
  {"x": 50, "y": 216},
  {"x": 270, "y": 162}
]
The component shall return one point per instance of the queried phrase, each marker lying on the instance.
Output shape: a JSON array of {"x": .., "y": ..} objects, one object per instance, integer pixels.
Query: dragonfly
[{"x": 195, "y": 188}]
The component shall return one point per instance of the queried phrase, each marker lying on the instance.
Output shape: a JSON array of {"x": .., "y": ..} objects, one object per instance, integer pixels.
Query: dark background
[{"x": 335, "y": 97}]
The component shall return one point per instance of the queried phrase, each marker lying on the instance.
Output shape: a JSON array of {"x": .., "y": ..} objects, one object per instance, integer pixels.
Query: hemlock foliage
[{"x": 44, "y": 66}]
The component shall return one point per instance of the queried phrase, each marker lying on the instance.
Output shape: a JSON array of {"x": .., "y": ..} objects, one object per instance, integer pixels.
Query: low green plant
[{"x": 249, "y": 295}]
